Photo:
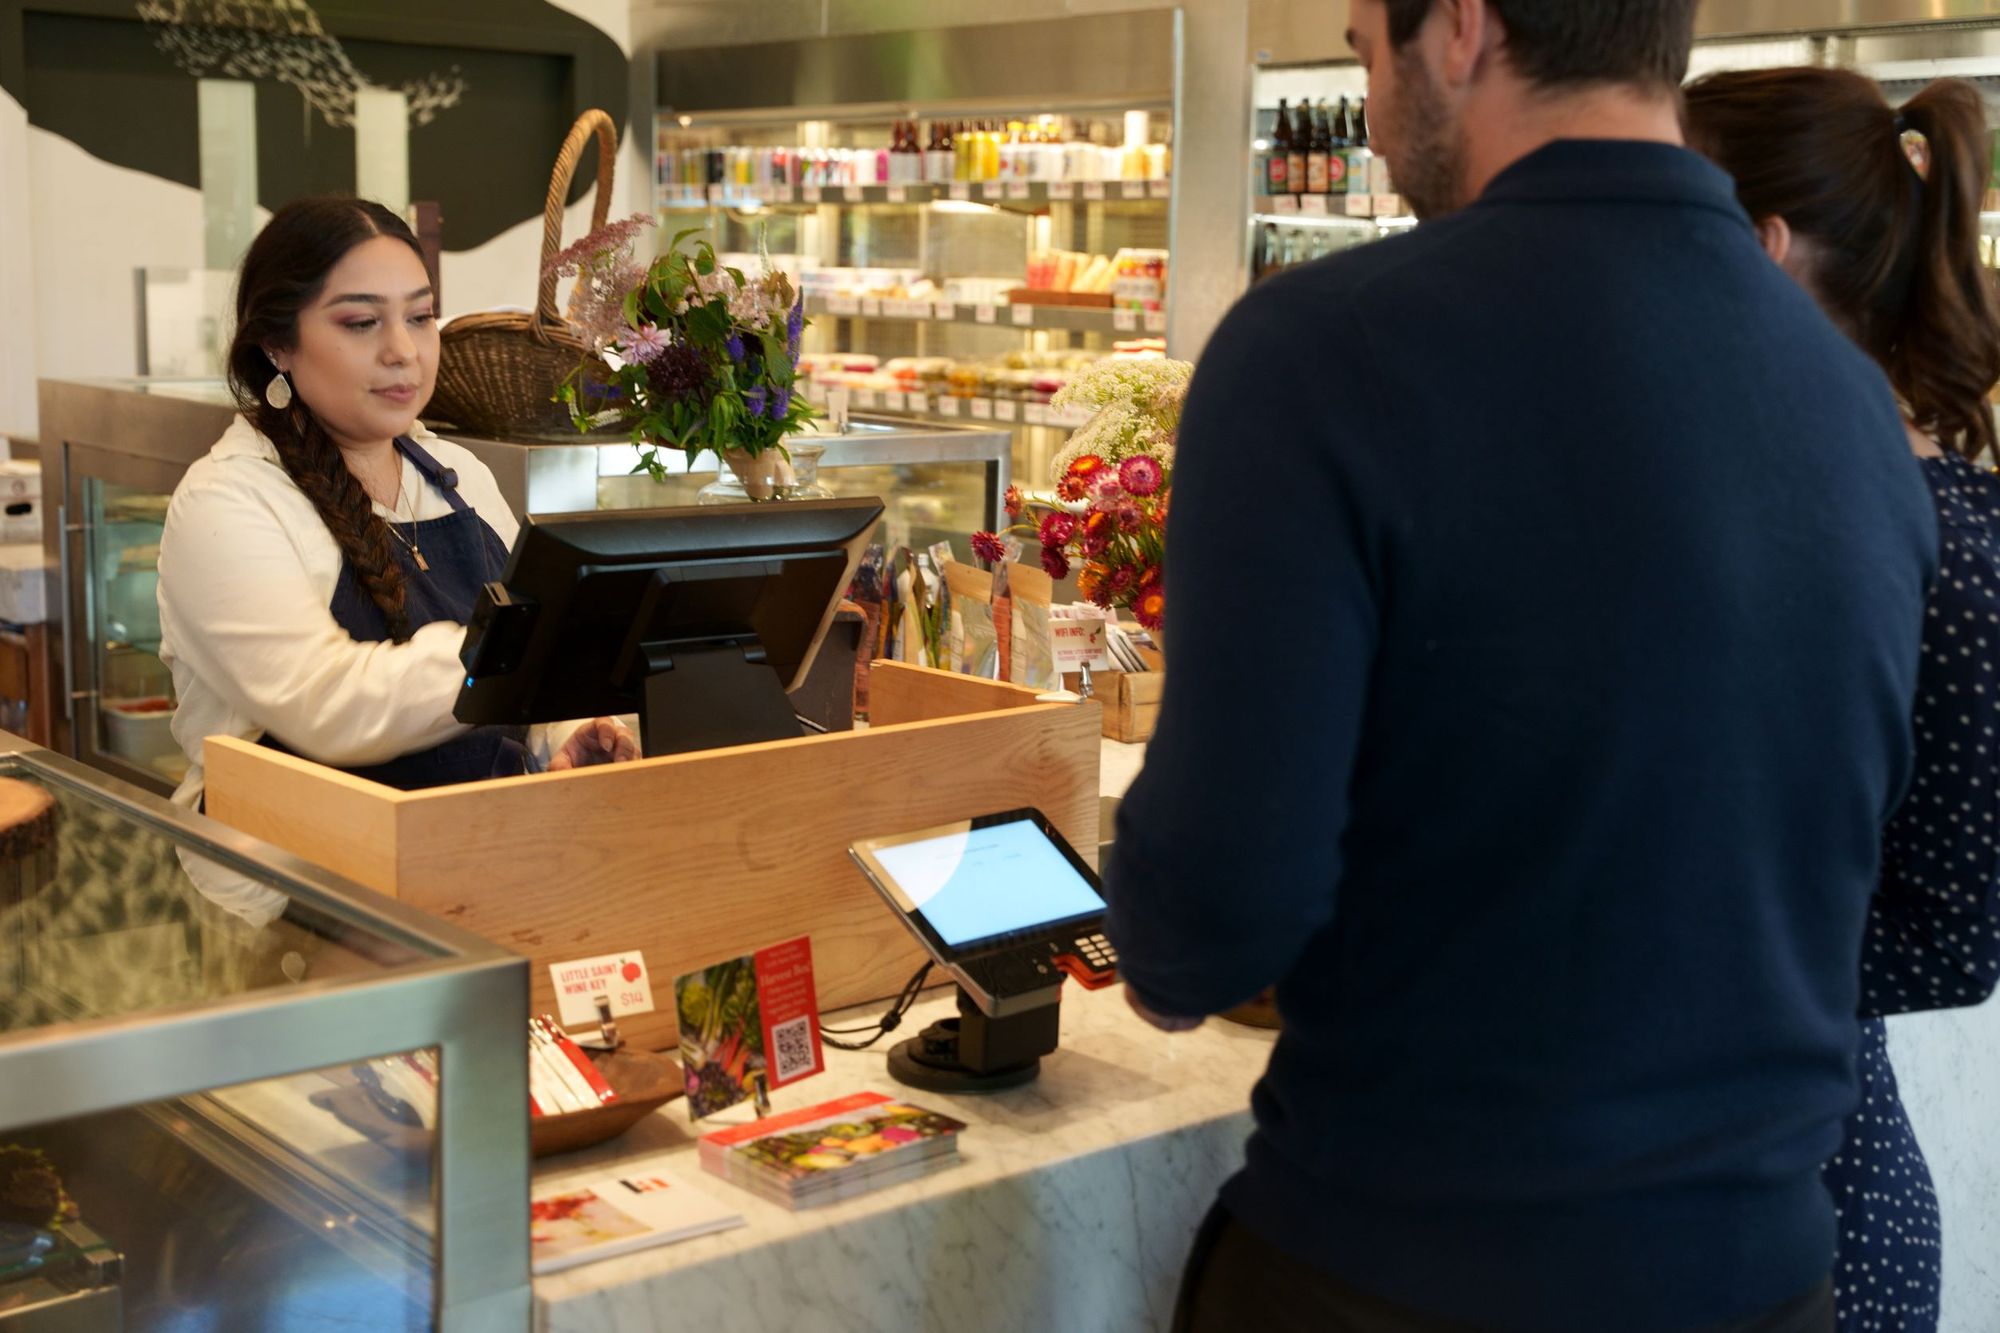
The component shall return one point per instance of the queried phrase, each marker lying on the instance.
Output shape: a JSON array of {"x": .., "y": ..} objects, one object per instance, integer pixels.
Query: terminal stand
[
  {"x": 700, "y": 696},
  {"x": 975, "y": 1053}
]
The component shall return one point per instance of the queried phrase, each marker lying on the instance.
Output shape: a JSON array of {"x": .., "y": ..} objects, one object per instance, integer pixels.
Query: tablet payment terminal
[{"x": 1001, "y": 902}]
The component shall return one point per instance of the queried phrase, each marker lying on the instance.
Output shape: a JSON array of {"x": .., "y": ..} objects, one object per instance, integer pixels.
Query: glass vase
[{"x": 769, "y": 476}]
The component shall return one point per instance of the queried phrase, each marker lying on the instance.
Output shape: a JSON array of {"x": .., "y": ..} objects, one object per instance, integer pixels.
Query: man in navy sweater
[{"x": 1532, "y": 715}]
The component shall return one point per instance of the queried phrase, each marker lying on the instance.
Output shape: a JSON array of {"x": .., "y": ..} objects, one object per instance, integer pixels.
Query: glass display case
[
  {"x": 115, "y": 449},
  {"x": 196, "y": 1036}
]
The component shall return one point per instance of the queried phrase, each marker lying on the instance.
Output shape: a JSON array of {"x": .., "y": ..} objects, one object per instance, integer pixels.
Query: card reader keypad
[{"x": 1097, "y": 951}]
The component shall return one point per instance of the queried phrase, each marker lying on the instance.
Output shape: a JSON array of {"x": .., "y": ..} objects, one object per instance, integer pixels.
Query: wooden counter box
[
  {"x": 1131, "y": 702},
  {"x": 691, "y": 858}
]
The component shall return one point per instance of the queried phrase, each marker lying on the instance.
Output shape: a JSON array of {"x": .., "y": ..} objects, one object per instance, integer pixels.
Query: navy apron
[{"x": 463, "y": 554}]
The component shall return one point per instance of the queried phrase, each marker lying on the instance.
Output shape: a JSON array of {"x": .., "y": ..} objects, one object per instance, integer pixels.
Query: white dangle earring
[{"x": 278, "y": 392}]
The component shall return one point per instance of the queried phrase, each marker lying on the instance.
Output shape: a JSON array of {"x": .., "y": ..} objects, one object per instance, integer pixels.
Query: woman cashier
[{"x": 318, "y": 565}]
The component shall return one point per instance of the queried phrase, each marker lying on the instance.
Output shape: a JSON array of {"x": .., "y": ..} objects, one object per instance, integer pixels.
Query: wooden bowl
[{"x": 643, "y": 1081}]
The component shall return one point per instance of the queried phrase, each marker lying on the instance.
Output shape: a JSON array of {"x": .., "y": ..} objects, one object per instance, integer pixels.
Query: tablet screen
[{"x": 981, "y": 883}]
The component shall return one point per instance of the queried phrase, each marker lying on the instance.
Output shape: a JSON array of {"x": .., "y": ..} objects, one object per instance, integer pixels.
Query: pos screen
[{"x": 983, "y": 882}]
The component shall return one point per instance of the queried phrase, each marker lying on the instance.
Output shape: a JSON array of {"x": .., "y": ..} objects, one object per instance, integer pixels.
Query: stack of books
[
  {"x": 835, "y": 1150},
  {"x": 617, "y": 1215}
]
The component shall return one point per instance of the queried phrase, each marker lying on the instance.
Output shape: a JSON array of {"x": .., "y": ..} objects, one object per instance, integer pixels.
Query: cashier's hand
[
  {"x": 602, "y": 740},
  {"x": 1163, "y": 1022}
]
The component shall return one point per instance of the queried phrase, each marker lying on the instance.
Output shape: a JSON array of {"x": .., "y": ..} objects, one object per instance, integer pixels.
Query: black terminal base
[
  {"x": 705, "y": 696},
  {"x": 974, "y": 1053}
]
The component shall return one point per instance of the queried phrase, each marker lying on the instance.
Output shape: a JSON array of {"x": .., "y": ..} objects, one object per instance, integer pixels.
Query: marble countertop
[{"x": 1115, "y": 1152}]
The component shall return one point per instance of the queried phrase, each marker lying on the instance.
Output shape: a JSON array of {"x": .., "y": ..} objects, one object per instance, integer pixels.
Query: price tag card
[
  {"x": 782, "y": 194},
  {"x": 622, "y": 976},
  {"x": 1360, "y": 206},
  {"x": 715, "y": 194},
  {"x": 1080, "y": 644},
  {"x": 1017, "y": 190},
  {"x": 1161, "y": 189},
  {"x": 1024, "y": 316},
  {"x": 918, "y": 402},
  {"x": 944, "y": 310},
  {"x": 1388, "y": 205},
  {"x": 1156, "y": 321},
  {"x": 985, "y": 314},
  {"x": 871, "y": 308},
  {"x": 961, "y": 190},
  {"x": 947, "y": 406},
  {"x": 1062, "y": 189},
  {"x": 893, "y": 400},
  {"x": 810, "y": 193},
  {"x": 992, "y": 189},
  {"x": 1069, "y": 416},
  {"x": 867, "y": 398},
  {"x": 1125, "y": 321},
  {"x": 851, "y": 193},
  {"x": 1093, "y": 189},
  {"x": 1006, "y": 409},
  {"x": 1035, "y": 414},
  {"x": 1134, "y": 189},
  {"x": 899, "y": 194},
  {"x": 1285, "y": 203},
  {"x": 982, "y": 409},
  {"x": 1313, "y": 205},
  {"x": 843, "y": 306}
]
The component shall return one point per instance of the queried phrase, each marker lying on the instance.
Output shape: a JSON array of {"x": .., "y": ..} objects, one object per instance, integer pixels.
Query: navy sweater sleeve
[
  {"x": 1216, "y": 883},
  {"x": 1933, "y": 938}
]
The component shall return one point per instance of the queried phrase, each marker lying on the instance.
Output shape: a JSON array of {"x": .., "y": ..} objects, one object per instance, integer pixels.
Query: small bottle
[
  {"x": 1295, "y": 157},
  {"x": 1319, "y": 139},
  {"x": 1277, "y": 163},
  {"x": 607, "y": 1026}
]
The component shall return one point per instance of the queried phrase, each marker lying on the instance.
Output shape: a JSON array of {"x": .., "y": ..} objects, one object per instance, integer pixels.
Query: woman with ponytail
[
  {"x": 1875, "y": 211},
  {"x": 318, "y": 565}
]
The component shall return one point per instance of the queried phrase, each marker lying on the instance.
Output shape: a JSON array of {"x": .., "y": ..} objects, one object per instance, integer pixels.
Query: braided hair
[{"x": 283, "y": 273}]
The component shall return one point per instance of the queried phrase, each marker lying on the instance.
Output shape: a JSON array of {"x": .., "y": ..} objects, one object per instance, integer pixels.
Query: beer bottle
[
  {"x": 1317, "y": 149},
  {"x": 1277, "y": 163},
  {"x": 1359, "y": 155},
  {"x": 1295, "y": 160}
]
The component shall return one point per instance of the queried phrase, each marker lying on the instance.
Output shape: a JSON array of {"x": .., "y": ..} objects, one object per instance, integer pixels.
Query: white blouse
[{"x": 247, "y": 573}]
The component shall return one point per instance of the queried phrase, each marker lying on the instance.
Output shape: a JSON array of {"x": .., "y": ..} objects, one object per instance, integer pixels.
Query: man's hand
[
  {"x": 602, "y": 740},
  {"x": 1163, "y": 1022}
]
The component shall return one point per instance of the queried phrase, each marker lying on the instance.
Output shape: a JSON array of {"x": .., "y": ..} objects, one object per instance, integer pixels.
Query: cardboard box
[
  {"x": 20, "y": 503},
  {"x": 27, "y": 582}
]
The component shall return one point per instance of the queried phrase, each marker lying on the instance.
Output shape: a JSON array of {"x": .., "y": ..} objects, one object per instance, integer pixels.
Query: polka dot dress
[{"x": 1933, "y": 936}]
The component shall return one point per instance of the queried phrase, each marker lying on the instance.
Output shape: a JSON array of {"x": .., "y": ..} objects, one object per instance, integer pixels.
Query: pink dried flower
[
  {"x": 988, "y": 548},
  {"x": 1055, "y": 563},
  {"x": 597, "y": 246},
  {"x": 1122, "y": 579},
  {"x": 1017, "y": 504},
  {"x": 1128, "y": 516},
  {"x": 1140, "y": 474}
]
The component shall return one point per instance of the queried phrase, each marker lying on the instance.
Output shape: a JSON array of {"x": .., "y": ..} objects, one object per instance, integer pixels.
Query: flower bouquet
[
  {"x": 1113, "y": 485},
  {"x": 701, "y": 358}
]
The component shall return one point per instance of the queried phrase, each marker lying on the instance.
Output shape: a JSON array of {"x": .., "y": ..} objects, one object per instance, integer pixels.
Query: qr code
[{"x": 792, "y": 1050}]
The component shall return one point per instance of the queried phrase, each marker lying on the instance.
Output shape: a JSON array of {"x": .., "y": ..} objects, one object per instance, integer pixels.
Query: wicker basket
[{"x": 498, "y": 373}]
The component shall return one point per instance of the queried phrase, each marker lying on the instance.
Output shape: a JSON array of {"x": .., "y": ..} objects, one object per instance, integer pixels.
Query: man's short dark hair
[{"x": 1558, "y": 43}]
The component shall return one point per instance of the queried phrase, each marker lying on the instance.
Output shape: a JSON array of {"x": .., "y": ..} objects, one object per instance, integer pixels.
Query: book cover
[
  {"x": 618, "y": 1215},
  {"x": 750, "y": 1018}
]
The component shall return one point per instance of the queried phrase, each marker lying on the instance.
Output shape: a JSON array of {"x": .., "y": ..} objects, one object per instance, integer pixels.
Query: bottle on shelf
[
  {"x": 1295, "y": 159},
  {"x": 1360, "y": 155},
  {"x": 1319, "y": 144},
  {"x": 937, "y": 162},
  {"x": 910, "y": 162},
  {"x": 1277, "y": 163},
  {"x": 1339, "y": 146}
]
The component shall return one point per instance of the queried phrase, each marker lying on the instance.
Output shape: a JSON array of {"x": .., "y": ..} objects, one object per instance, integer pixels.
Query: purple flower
[
  {"x": 734, "y": 346},
  {"x": 679, "y": 371},
  {"x": 754, "y": 400},
  {"x": 1140, "y": 474},
  {"x": 795, "y": 325},
  {"x": 781, "y": 403},
  {"x": 643, "y": 344}
]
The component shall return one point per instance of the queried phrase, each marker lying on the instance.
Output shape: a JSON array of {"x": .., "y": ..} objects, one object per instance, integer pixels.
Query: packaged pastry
[
  {"x": 1031, "y": 649},
  {"x": 973, "y": 649}
]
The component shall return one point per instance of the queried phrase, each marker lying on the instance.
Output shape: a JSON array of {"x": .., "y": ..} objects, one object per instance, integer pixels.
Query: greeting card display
[{"x": 748, "y": 1022}]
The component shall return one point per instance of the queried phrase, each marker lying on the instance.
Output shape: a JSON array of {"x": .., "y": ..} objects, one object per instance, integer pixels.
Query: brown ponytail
[
  {"x": 282, "y": 274},
  {"x": 1895, "y": 256}
]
